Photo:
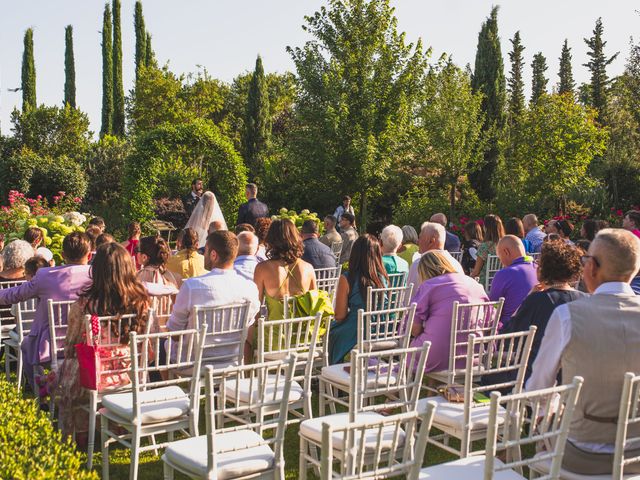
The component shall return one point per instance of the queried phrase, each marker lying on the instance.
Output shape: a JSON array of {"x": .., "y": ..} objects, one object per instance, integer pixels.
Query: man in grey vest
[{"x": 597, "y": 338}]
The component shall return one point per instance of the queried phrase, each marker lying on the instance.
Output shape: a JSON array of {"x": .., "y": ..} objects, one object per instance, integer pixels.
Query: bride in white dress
[{"x": 205, "y": 212}]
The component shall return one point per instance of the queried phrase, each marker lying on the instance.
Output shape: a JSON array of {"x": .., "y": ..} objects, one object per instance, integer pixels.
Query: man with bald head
[
  {"x": 432, "y": 237},
  {"x": 597, "y": 338},
  {"x": 534, "y": 235},
  {"x": 246, "y": 261},
  {"x": 452, "y": 242},
  {"x": 516, "y": 279}
]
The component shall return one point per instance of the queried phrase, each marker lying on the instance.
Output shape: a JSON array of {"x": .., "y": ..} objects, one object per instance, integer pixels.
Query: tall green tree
[
  {"x": 257, "y": 124},
  {"x": 597, "y": 64},
  {"x": 69, "y": 68},
  {"x": 28, "y": 73},
  {"x": 107, "y": 73},
  {"x": 488, "y": 79},
  {"x": 359, "y": 84},
  {"x": 141, "y": 38},
  {"x": 515, "y": 84},
  {"x": 567, "y": 84},
  {"x": 118, "y": 88},
  {"x": 150, "y": 56},
  {"x": 538, "y": 79}
]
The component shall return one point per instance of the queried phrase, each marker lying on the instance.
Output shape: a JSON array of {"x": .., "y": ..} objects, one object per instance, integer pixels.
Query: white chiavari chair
[
  {"x": 398, "y": 279},
  {"x": 7, "y": 319},
  {"x": 492, "y": 267},
  {"x": 24, "y": 316},
  {"x": 336, "y": 249}
]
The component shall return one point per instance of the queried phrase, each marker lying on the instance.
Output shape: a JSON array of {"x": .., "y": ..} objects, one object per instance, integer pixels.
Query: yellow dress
[{"x": 187, "y": 264}]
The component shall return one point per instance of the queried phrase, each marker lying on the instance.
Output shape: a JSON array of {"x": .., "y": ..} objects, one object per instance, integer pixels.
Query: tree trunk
[
  {"x": 363, "y": 212},
  {"x": 452, "y": 201}
]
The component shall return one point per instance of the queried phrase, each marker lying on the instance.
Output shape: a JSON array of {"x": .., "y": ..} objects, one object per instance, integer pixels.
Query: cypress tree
[
  {"x": 515, "y": 82},
  {"x": 118, "y": 89},
  {"x": 597, "y": 64},
  {"x": 538, "y": 81},
  {"x": 488, "y": 78},
  {"x": 28, "y": 73},
  {"x": 257, "y": 122},
  {"x": 150, "y": 56},
  {"x": 567, "y": 84},
  {"x": 107, "y": 73},
  {"x": 69, "y": 69},
  {"x": 141, "y": 38}
]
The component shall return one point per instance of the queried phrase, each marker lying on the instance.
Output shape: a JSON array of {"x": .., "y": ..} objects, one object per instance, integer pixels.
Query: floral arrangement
[
  {"x": 299, "y": 219},
  {"x": 55, "y": 220}
]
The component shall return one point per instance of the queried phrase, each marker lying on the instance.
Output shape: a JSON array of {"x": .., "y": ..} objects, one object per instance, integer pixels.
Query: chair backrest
[
  {"x": 481, "y": 319},
  {"x": 395, "y": 374},
  {"x": 146, "y": 365},
  {"x": 269, "y": 386},
  {"x": 57, "y": 312},
  {"x": 385, "y": 329},
  {"x": 25, "y": 314},
  {"x": 629, "y": 415},
  {"x": 226, "y": 333},
  {"x": 327, "y": 279},
  {"x": 162, "y": 306},
  {"x": 388, "y": 297},
  {"x": 336, "y": 249},
  {"x": 5, "y": 310},
  {"x": 375, "y": 449},
  {"x": 493, "y": 265},
  {"x": 535, "y": 256},
  {"x": 457, "y": 255},
  {"x": 398, "y": 279}
]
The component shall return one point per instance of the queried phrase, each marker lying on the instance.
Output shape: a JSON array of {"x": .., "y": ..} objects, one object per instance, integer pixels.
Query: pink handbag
[{"x": 89, "y": 358}]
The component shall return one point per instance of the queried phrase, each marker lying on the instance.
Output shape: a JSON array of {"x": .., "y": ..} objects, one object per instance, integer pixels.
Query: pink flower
[
  {"x": 619, "y": 213},
  {"x": 77, "y": 200}
]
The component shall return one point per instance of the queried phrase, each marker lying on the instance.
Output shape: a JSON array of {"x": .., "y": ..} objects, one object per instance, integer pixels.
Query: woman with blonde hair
[{"x": 441, "y": 286}]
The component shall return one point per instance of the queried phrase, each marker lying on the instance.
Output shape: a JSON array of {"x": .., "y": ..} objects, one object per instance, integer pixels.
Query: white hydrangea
[{"x": 74, "y": 218}]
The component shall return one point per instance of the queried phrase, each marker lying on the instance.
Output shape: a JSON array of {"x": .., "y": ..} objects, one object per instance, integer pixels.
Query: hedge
[{"x": 30, "y": 447}]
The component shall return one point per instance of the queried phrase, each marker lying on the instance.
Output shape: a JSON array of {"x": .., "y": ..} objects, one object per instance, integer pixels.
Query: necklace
[{"x": 559, "y": 286}]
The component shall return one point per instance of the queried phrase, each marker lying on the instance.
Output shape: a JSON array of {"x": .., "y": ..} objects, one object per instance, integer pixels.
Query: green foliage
[
  {"x": 141, "y": 38},
  {"x": 28, "y": 73},
  {"x": 52, "y": 175},
  {"x": 104, "y": 167},
  {"x": 567, "y": 84},
  {"x": 515, "y": 84},
  {"x": 16, "y": 170},
  {"x": 257, "y": 126},
  {"x": 488, "y": 79},
  {"x": 174, "y": 177},
  {"x": 538, "y": 79},
  {"x": 31, "y": 446},
  {"x": 117, "y": 125},
  {"x": 150, "y": 56},
  {"x": 69, "y": 68},
  {"x": 107, "y": 73},
  {"x": 197, "y": 143}
]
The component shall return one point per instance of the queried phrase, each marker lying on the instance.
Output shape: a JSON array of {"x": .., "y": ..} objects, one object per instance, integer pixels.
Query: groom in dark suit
[
  {"x": 253, "y": 209},
  {"x": 191, "y": 199}
]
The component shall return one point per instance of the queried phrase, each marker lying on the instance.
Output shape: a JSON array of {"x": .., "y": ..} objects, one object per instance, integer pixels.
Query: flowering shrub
[{"x": 298, "y": 220}]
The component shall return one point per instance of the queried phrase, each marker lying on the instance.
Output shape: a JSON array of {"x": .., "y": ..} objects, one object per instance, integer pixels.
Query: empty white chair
[
  {"x": 154, "y": 406},
  {"x": 524, "y": 419},
  {"x": 349, "y": 454},
  {"x": 501, "y": 360},
  {"x": 395, "y": 375},
  {"x": 492, "y": 267},
  {"x": 238, "y": 451},
  {"x": 481, "y": 319},
  {"x": 336, "y": 249},
  {"x": 327, "y": 279},
  {"x": 398, "y": 279},
  {"x": 25, "y": 313}
]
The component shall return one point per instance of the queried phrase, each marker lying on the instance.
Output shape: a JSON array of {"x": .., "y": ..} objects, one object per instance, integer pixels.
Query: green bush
[
  {"x": 31, "y": 447},
  {"x": 16, "y": 170},
  {"x": 104, "y": 167},
  {"x": 60, "y": 174}
]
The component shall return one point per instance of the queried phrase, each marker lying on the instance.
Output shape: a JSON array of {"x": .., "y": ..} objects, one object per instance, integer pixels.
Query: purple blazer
[
  {"x": 57, "y": 283},
  {"x": 434, "y": 309}
]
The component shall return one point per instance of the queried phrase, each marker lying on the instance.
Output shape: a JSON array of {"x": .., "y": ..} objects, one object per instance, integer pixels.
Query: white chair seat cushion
[
  {"x": 249, "y": 457},
  {"x": 312, "y": 430},
  {"x": 544, "y": 466},
  {"x": 451, "y": 414},
  {"x": 270, "y": 393},
  {"x": 336, "y": 374},
  {"x": 302, "y": 356},
  {"x": 470, "y": 468},
  {"x": 175, "y": 405}
]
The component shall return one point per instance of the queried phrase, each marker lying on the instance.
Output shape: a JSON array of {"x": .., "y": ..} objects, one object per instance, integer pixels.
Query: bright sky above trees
[{"x": 224, "y": 36}]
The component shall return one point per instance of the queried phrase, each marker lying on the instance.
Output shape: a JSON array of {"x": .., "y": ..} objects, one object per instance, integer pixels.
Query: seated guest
[
  {"x": 514, "y": 226},
  {"x": 244, "y": 227},
  {"x": 472, "y": 240},
  {"x": 348, "y": 234},
  {"x": 14, "y": 256},
  {"x": 565, "y": 229},
  {"x": 221, "y": 286},
  {"x": 597, "y": 338},
  {"x": 113, "y": 290},
  {"x": 187, "y": 262},
  {"x": 559, "y": 266},
  {"x": 331, "y": 235},
  {"x": 262, "y": 228},
  {"x": 452, "y": 242},
  {"x": 104, "y": 238},
  {"x": 93, "y": 232},
  {"x": 391, "y": 239},
  {"x": 493, "y": 232},
  {"x": 631, "y": 222},
  {"x": 534, "y": 235},
  {"x": 635, "y": 284},
  {"x": 35, "y": 237},
  {"x": 98, "y": 222},
  {"x": 551, "y": 227},
  {"x": 246, "y": 261},
  {"x": 515, "y": 280},
  {"x": 365, "y": 270},
  {"x": 409, "y": 247},
  {"x": 32, "y": 266},
  {"x": 589, "y": 229},
  {"x": 153, "y": 254},
  {"x": 316, "y": 253},
  {"x": 440, "y": 285},
  {"x": 214, "y": 226},
  {"x": 432, "y": 237},
  {"x": 56, "y": 283}
]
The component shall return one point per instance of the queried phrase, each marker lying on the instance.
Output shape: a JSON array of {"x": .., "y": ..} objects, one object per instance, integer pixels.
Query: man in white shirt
[
  {"x": 221, "y": 286},
  {"x": 432, "y": 237},
  {"x": 597, "y": 338}
]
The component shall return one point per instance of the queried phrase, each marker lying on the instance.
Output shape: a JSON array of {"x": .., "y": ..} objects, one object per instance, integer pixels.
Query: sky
[{"x": 225, "y": 36}]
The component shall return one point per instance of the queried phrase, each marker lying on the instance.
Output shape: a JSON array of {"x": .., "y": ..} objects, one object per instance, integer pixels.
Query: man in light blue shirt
[
  {"x": 533, "y": 233},
  {"x": 246, "y": 261}
]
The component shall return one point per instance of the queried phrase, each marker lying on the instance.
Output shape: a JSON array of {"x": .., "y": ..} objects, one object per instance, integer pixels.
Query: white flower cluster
[{"x": 75, "y": 218}]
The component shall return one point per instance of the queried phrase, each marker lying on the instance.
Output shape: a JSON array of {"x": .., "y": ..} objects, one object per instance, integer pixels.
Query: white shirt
[
  {"x": 556, "y": 338},
  {"x": 216, "y": 288},
  {"x": 413, "y": 276}
]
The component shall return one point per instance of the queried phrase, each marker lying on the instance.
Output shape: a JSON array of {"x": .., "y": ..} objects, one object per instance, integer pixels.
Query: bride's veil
[{"x": 206, "y": 211}]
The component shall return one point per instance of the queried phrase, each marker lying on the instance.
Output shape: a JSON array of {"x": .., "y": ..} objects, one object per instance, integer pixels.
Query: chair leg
[
  {"x": 104, "y": 442},
  {"x": 7, "y": 364},
  {"x": 322, "y": 387},
  {"x": 91, "y": 434},
  {"x": 332, "y": 394},
  {"x": 135, "y": 454},
  {"x": 168, "y": 471},
  {"x": 19, "y": 367},
  {"x": 302, "y": 461},
  {"x": 153, "y": 442},
  {"x": 465, "y": 443}
]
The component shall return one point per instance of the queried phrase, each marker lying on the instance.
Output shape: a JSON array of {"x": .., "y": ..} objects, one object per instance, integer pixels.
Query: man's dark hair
[
  {"x": 252, "y": 188},
  {"x": 225, "y": 244},
  {"x": 310, "y": 227},
  {"x": 93, "y": 232},
  {"x": 346, "y": 197},
  {"x": 195, "y": 180},
  {"x": 634, "y": 216},
  {"x": 332, "y": 219},
  {"x": 348, "y": 217},
  {"x": 98, "y": 222},
  {"x": 76, "y": 246},
  {"x": 32, "y": 265},
  {"x": 104, "y": 238},
  {"x": 33, "y": 235}
]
